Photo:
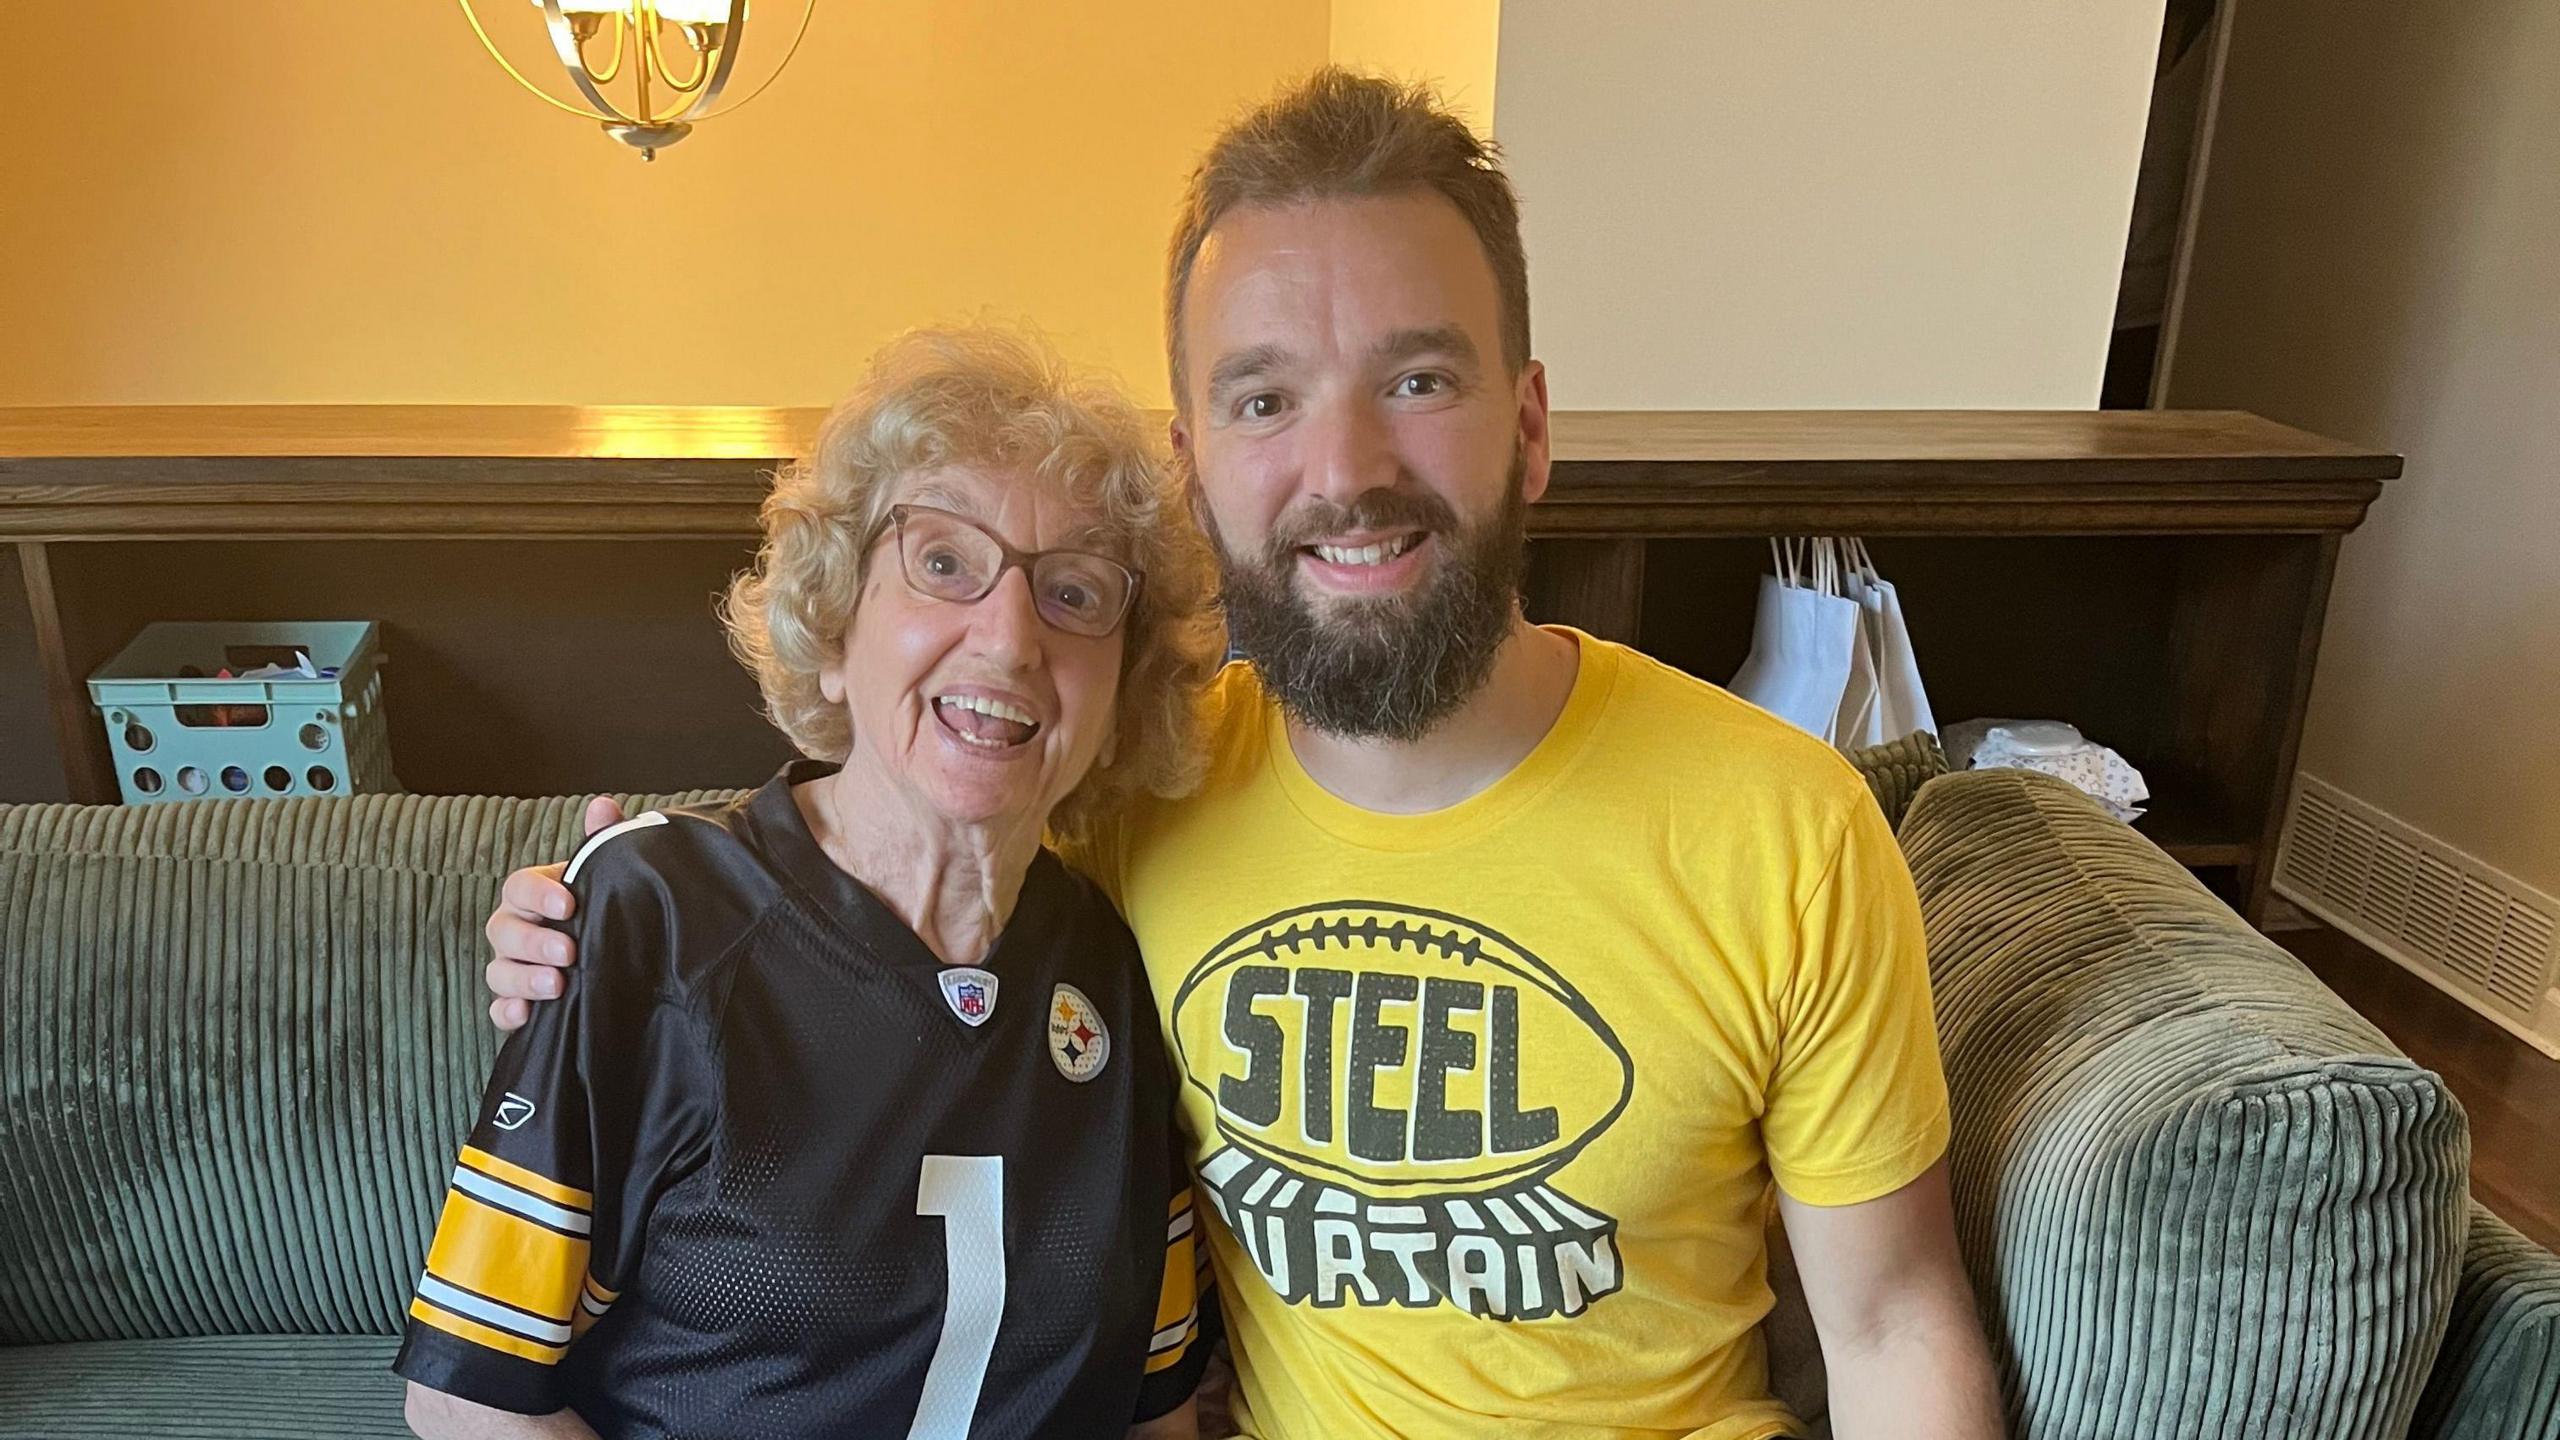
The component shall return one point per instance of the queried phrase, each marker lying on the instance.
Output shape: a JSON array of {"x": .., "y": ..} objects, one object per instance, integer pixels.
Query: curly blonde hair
[{"x": 986, "y": 396}]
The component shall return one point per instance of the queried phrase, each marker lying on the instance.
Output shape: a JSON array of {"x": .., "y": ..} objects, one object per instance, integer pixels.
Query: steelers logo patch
[{"x": 1078, "y": 1041}]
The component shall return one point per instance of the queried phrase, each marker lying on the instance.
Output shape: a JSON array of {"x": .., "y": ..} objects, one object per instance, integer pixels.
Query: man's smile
[{"x": 1367, "y": 563}]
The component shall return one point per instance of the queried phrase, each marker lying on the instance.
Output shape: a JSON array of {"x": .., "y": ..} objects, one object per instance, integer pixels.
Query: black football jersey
[{"x": 769, "y": 1168}]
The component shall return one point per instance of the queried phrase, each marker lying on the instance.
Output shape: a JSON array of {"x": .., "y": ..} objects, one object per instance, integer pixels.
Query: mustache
[{"x": 1396, "y": 508}]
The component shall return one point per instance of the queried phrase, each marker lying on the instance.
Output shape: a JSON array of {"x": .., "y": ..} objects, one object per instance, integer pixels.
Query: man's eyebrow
[
  {"x": 1405, "y": 344},
  {"x": 1238, "y": 366}
]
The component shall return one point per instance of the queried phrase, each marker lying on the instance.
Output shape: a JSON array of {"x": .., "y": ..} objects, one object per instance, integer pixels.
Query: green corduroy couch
[{"x": 2199, "y": 1196}]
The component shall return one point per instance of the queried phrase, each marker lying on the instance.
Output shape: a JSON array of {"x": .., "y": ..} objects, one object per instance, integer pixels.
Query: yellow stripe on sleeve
[
  {"x": 526, "y": 1180},
  {"x": 1180, "y": 1291},
  {"x": 479, "y": 1334},
  {"x": 1178, "y": 1298},
  {"x": 508, "y": 1258},
  {"x": 1167, "y": 1359},
  {"x": 592, "y": 1305}
]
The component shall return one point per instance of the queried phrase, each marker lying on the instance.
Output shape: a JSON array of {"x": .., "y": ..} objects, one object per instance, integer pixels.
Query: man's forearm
[
  {"x": 434, "y": 1415},
  {"x": 1929, "y": 1378},
  {"x": 1180, "y": 1423}
]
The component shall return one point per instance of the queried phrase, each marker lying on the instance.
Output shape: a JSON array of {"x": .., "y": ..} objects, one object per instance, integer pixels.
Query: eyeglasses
[{"x": 950, "y": 557}]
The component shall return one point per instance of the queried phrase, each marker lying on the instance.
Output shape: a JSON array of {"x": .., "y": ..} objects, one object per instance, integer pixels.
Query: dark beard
[{"x": 1386, "y": 667}]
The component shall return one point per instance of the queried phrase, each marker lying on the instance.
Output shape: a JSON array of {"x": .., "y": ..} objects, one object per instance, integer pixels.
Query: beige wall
[
  {"x": 307, "y": 200},
  {"x": 2378, "y": 255},
  {"x": 317, "y": 200},
  {"x": 1449, "y": 43},
  {"x": 1858, "y": 203}
]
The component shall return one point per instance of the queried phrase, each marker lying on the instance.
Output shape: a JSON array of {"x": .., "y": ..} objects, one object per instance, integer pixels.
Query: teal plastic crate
[{"x": 177, "y": 736}]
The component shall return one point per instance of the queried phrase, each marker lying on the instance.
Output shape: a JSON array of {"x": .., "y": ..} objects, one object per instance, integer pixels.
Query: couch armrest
[
  {"x": 2199, "y": 1195},
  {"x": 2498, "y": 1375},
  {"x": 239, "y": 1042}
]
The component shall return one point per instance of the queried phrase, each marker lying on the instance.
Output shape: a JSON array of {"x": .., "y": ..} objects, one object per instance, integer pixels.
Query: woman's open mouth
[{"x": 983, "y": 723}]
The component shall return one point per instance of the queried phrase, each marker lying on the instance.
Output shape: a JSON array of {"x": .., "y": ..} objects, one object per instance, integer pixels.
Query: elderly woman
[{"x": 855, "y": 1119}]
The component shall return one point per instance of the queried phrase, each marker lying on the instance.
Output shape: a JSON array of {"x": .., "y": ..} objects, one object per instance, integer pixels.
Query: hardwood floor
[{"x": 2511, "y": 1090}]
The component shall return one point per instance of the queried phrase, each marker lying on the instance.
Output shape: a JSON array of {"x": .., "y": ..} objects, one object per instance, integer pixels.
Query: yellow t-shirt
[{"x": 1489, "y": 1099}]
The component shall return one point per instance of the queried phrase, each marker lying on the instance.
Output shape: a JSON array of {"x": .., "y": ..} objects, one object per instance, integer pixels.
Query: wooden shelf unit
[{"x": 2157, "y": 577}]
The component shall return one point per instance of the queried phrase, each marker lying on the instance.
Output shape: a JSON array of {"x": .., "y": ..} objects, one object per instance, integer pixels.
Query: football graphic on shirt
[{"x": 1396, "y": 1089}]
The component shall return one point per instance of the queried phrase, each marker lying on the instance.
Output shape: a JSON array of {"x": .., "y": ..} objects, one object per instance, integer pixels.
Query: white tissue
[{"x": 2095, "y": 770}]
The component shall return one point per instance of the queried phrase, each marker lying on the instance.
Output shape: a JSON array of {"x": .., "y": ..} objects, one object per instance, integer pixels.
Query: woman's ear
[{"x": 831, "y": 676}]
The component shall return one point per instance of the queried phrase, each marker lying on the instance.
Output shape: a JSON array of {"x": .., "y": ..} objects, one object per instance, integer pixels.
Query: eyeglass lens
[{"x": 948, "y": 558}]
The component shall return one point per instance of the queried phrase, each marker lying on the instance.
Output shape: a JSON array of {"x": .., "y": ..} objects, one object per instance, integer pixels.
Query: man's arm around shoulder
[{"x": 434, "y": 1415}]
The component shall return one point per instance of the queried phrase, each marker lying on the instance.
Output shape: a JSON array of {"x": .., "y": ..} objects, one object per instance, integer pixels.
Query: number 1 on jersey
[{"x": 967, "y": 1191}]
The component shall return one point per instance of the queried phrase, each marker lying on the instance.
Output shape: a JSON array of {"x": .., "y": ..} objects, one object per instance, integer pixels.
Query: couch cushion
[
  {"x": 1894, "y": 773},
  {"x": 2199, "y": 1195},
  {"x": 2498, "y": 1375},
  {"x": 243, "y": 1039},
  {"x": 262, "y": 1387}
]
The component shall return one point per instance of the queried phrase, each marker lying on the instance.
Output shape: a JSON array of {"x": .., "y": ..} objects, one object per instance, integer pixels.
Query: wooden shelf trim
[
  {"x": 282, "y": 510},
  {"x": 528, "y": 472},
  {"x": 758, "y": 433}
]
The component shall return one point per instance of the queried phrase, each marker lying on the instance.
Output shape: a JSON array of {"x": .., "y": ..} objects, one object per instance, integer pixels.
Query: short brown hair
[
  {"x": 981, "y": 394},
  {"x": 1339, "y": 133}
]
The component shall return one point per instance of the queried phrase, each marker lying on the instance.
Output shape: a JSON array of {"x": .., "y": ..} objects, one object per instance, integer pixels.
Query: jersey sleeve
[
  {"x": 587, "y": 1117},
  {"x": 1857, "y": 1103},
  {"x": 1179, "y": 1350}
]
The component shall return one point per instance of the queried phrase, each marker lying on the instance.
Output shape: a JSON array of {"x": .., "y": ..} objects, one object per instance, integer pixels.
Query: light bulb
[{"x": 694, "y": 12}]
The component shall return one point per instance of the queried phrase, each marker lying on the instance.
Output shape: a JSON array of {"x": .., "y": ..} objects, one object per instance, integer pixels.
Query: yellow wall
[
  {"x": 1449, "y": 43},
  {"x": 1844, "y": 203},
  {"x": 317, "y": 200},
  {"x": 2374, "y": 258}
]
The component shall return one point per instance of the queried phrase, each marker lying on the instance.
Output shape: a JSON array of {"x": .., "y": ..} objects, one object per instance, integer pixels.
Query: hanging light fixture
[{"x": 668, "y": 98}]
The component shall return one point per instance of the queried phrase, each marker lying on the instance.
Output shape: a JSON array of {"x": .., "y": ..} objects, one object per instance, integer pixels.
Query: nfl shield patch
[
  {"x": 1078, "y": 1042},
  {"x": 971, "y": 993}
]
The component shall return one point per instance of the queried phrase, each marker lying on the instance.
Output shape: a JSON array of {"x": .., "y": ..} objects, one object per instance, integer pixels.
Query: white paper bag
[
  {"x": 1860, "y": 721},
  {"x": 1830, "y": 651},
  {"x": 1902, "y": 701},
  {"x": 1802, "y": 641}
]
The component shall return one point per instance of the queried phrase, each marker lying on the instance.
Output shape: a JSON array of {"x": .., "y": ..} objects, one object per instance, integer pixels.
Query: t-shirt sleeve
[
  {"x": 585, "y": 1121},
  {"x": 1179, "y": 1350},
  {"x": 1857, "y": 1103},
  {"x": 1097, "y": 854}
]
